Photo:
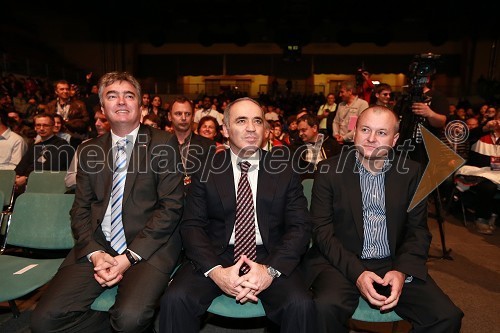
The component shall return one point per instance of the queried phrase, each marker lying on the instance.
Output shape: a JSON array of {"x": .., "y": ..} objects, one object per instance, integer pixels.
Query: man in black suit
[
  {"x": 316, "y": 146},
  {"x": 366, "y": 242},
  {"x": 194, "y": 149},
  {"x": 51, "y": 153},
  {"x": 279, "y": 228},
  {"x": 149, "y": 212}
]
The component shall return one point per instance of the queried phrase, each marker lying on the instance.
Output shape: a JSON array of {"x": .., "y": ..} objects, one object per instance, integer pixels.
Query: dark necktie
[
  {"x": 118, "y": 241},
  {"x": 244, "y": 241}
]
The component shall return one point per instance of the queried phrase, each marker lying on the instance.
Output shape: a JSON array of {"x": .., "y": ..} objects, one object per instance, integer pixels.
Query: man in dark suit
[
  {"x": 133, "y": 242},
  {"x": 279, "y": 229},
  {"x": 366, "y": 242},
  {"x": 51, "y": 153},
  {"x": 194, "y": 149},
  {"x": 316, "y": 146}
]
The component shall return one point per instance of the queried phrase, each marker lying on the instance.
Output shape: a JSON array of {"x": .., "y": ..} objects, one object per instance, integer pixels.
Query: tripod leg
[{"x": 440, "y": 220}]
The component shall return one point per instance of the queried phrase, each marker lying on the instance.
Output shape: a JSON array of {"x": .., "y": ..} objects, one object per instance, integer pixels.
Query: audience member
[
  {"x": 145, "y": 105},
  {"x": 51, "y": 153},
  {"x": 134, "y": 245},
  {"x": 483, "y": 171},
  {"x": 152, "y": 120},
  {"x": 73, "y": 110},
  {"x": 195, "y": 149},
  {"x": 206, "y": 110},
  {"x": 347, "y": 112},
  {"x": 318, "y": 146},
  {"x": 324, "y": 112},
  {"x": 102, "y": 126},
  {"x": 367, "y": 244},
  {"x": 383, "y": 95},
  {"x": 12, "y": 145},
  {"x": 278, "y": 233}
]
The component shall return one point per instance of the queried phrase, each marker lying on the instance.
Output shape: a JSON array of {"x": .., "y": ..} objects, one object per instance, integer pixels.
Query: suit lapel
[
  {"x": 106, "y": 176},
  {"x": 354, "y": 190},
  {"x": 137, "y": 161},
  {"x": 224, "y": 183},
  {"x": 390, "y": 210},
  {"x": 266, "y": 188}
]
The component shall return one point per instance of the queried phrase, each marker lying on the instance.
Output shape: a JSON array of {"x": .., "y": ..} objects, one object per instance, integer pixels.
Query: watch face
[{"x": 272, "y": 272}]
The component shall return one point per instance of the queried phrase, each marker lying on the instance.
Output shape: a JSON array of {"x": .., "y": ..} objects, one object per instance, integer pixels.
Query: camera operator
[{"x": 426, "y": 106}]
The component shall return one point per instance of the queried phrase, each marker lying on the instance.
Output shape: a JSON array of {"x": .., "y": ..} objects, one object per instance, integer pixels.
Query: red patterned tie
[{"x": 244, "y": 242}]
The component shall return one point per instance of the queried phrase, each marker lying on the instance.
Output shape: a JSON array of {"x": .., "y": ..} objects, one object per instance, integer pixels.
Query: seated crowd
[{"x": 190, "y": 187}]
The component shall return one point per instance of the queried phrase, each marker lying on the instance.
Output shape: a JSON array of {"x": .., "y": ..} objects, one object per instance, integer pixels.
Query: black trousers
[
  {"x": 422, "y": 303},
  {"x": 287, "y": 301}
]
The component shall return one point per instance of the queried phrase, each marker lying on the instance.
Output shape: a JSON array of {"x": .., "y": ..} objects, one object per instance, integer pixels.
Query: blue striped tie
[{"x": 118, "y": 241}]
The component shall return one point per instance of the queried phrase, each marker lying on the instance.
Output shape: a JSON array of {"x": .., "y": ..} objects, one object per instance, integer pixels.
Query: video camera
[{"x": 421, "y": 73}]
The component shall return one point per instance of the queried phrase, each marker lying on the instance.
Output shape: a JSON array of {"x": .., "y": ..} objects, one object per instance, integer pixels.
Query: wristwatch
[
  {"x": 272, "y": 272},
  {"x": 133, "y": 260}
]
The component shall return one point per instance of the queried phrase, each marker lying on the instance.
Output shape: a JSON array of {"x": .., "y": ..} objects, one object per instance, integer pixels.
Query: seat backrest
[
  {"x": 42, "y": 221},
  {"x": 307, "y": 184},
  {"x": 46, "y": 182},
  {"x": 7, "y": 180}
]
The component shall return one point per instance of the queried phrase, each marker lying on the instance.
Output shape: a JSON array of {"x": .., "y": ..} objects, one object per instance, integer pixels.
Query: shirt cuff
[
  {"x": 211, "y": 269},
  {"x": 135, "y": 254},
  {"x": 90, "y": 254}
]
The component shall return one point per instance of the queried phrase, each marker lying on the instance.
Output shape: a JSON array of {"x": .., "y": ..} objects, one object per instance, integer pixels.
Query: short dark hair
[{"x": 310, "y": 119}]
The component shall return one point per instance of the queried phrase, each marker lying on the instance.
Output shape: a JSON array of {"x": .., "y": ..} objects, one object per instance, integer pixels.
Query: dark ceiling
[
  {"x": 38, "y": 28},
  {"x": 244, "y": 21}
]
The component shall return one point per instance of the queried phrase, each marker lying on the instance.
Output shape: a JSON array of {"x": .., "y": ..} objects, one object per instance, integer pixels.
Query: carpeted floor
[{"x": 471, "y": 278}]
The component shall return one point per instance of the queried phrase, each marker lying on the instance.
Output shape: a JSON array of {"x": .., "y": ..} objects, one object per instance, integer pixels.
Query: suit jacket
[
  {"x": 152, "y": 198},
  {"x": 329, "y": 148},
  {"x": 200, "y": 151},
  {"x": 53, "y": 154},
  {"x": 336, "y": 209},
  {"x": 78, "y": 116},
  {"x": 281, "y": 206}
]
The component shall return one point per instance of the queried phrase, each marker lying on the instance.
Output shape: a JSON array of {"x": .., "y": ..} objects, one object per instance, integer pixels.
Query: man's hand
[
  {"x": 422, "y": 109},
  {"x": 395, "y": 280},
  {"x": 108, "y": 269},
  {"x": 365, "y": 285},
  {"x": 257, "y": 276},
  {"x": 226, "y": 279},
  {"x": 21, "y": 180}
]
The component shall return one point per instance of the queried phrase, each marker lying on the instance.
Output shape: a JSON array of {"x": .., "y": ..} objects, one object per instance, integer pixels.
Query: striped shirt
[{"x": 375, "y": 243}]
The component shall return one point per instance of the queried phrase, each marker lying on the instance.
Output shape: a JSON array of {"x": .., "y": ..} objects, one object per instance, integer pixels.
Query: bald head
[{"x": 377, "y": 110}]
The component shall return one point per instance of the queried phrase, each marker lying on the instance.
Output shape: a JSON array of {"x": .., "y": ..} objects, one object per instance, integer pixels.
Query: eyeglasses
[
  {"x": 43, "y": 125},
  {"x": 386, "y": 94}
]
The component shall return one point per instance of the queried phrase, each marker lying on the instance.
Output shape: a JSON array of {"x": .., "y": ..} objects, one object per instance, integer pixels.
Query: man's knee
[
  {"x": 132, "y": 319},
  {"x": 43, "y": 320},
  {"x": 453, "y": 316}
]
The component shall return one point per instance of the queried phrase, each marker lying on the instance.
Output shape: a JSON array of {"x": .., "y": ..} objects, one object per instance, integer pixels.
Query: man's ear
[
  {"x": 396, "y": 137},
  {"x": 225, "y": 131}
]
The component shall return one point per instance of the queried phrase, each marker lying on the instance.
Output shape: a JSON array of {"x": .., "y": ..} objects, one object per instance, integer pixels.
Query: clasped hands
[
  {"x": 108, "y": 270},
  {"x": 246, "y": 287},
  {"x": 368, "y": 283}
]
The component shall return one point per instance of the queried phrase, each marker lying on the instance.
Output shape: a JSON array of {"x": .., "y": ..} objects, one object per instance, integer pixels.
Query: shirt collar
[
  {"x": 362, "y": 170},
  {"x": 5, "y": 135},
  {"x": 253, "y": 160},
  {"x": 130, "y": 137}
]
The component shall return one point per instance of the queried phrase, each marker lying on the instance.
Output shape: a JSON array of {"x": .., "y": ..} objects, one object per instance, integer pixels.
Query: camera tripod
[{"x": 440, "y": 220}]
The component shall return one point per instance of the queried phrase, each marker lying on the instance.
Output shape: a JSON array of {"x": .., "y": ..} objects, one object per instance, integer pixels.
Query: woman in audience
[{"x": 209, "y": 128}]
